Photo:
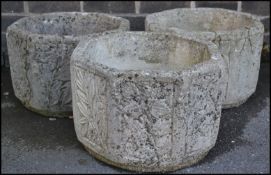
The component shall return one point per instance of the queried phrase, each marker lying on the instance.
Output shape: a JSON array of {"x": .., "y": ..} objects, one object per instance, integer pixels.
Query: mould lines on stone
[
  {"x": 88, "y": 119},
  {"x": 186, "y": 121},
  {"x": 173, "y": 103},
  {"x": 147, "y": 123},
  {"x": 27, "y": 69},
  {"x": 228, "y": 69},
  {"x": 63, "y": 89},
  {"x": 201, "y": 123},
  {"x": 17, "y": 41},
  {"x": 250, "y": 43},
  {"x": 54, "y": 75},
  {"x": 151, "y": 136},
  {"x": 217, "y": 38},
  {"x": 242, "y": 49},
  {"x": 216, "y": 98},
  {"x": 172, "y": 115},
  {"x": 90, "y": 69}
]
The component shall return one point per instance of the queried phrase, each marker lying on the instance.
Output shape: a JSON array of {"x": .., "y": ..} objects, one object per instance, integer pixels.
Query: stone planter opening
[
  {"x": 39, "y": 50},
  {"x": 147, "y": 101},
  {"x": 239, "y": 37}
]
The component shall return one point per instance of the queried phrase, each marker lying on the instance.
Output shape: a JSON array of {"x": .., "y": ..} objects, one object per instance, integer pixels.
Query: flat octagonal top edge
[
  {"x": 210, "y": 22},
  {"x": 67, "y": 25},
  {"x": 146, "y": 55}
]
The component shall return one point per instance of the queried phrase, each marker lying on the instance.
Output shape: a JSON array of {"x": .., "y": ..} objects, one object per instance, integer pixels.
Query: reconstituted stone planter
[
  {"x": 239, "y": 36},
  {"x": 147, "y": 101},
  {"x": 39, "y": 50}
]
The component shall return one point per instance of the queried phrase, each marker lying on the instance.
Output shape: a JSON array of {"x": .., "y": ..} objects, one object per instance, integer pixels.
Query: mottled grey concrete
[
  {"x": 33, "y": 144},
  {"x": 239, "y": 37},
  {"x": 145, "y": 101},
  {"x": 39, "y": 49}
]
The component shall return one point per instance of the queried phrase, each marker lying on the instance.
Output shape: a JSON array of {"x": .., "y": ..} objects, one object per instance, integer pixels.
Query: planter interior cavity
[
  {"x": 39, "y": 50},
  {"x": 239, "y": 37},
  {"x": 151, "y": 53},
  {"x": 147, "y": 101}
]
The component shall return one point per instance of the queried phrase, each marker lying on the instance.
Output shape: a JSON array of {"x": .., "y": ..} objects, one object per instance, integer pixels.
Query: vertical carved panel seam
[{"x": 83, "y": 106}]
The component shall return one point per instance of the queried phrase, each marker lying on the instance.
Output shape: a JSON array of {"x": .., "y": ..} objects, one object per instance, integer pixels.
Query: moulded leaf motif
[{"x": 86, "y": 103}]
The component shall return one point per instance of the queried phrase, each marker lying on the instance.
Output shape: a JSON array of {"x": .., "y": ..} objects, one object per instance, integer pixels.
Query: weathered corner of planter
[
  {"x": 146, "y": 102},
  {"x": 39, "y": 49},
  {"x": 239, "y": 37}
]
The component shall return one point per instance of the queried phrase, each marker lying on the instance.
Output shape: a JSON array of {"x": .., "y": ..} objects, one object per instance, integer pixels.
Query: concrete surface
[
  {"x": 161, "y": 119},
  {"x": 35, "y": 144},
  {"x": 39, "y": 50},
  {"x": 239, "y": 37}
]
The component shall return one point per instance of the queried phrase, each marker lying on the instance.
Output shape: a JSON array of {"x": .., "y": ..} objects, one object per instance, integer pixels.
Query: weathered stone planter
[
  {"x": 39, "y": 50},
  {"x": 239, "y": 36},
  {"x": 146, "y": 101}
]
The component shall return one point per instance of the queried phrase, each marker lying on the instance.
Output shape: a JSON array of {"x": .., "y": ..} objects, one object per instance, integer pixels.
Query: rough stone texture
[
  {"x": 239, "y": 36},
  {"x": 39, "y": 50},
  {"x": 242, "y": 146},
  {"x": 146, "y": 101}
]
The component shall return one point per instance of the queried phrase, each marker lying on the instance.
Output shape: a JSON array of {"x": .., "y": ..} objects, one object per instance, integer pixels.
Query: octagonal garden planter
[
  {"x": 39, "y": 49},
  {"x": 239, "y": 37},
  {"x": 146, "y": 101}
]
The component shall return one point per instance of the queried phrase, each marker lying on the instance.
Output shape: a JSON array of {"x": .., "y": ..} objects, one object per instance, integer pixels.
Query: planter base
[
  {"x": 132, "y": 167},
  {"x": 47, "y": 113},
  {"x": 234, "y": 105}
]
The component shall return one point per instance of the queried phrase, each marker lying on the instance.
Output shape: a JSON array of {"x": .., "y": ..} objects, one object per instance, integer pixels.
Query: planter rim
[
  {"x": 124, "y": 24},
  {"x": 214, "y": 62},
  {"x": 255, "y": 28}
]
